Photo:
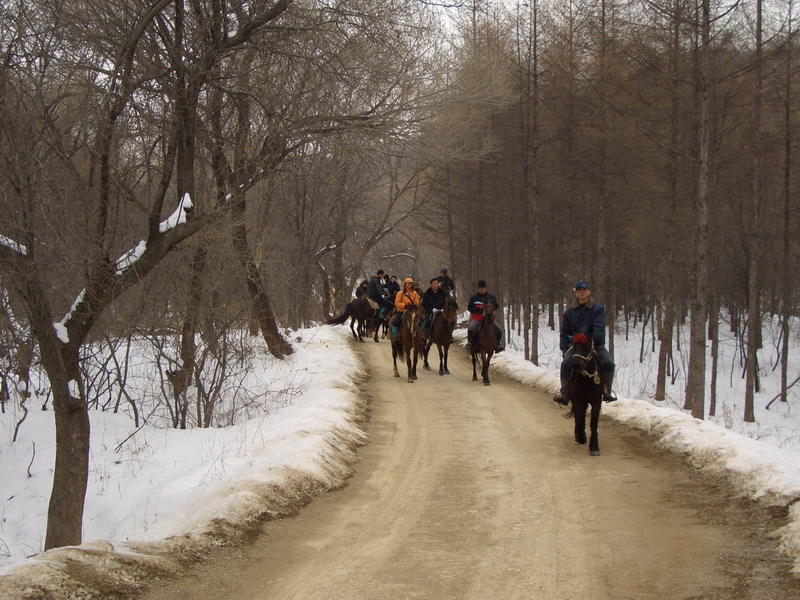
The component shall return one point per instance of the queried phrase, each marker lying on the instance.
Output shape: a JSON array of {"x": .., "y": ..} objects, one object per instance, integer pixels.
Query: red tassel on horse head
[{"x": 579, "y": 338}]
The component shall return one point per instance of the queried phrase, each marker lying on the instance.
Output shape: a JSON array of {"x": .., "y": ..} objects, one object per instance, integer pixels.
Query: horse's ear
[{"x": 579, "y": 339}]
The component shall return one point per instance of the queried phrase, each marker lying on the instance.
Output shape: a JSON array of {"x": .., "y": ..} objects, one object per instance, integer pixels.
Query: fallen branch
[{"x": 788, "y": 387}]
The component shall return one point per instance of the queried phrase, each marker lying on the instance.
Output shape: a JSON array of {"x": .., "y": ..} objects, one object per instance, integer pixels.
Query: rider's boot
[
  {"x": 500, "y": 345},
  {"x": 395, "y": 332},
  {"x": 609, "y": 396},
  {"x": 562, "y": 397}
]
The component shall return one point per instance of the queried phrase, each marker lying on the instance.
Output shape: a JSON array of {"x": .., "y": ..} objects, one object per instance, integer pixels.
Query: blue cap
[{"x": 581, "y": 285}]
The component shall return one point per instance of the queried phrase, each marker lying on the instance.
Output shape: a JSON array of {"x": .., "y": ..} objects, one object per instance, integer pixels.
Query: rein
[{"x": 593, "y": 376}]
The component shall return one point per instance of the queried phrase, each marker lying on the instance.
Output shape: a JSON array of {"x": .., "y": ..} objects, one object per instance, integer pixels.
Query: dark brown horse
[
  {"x": 360, "y": 312},
  {"x": 409, "y": 341},
  {"x": 439, "y": 334},
  {"x": 484, "y": 344},
  {"x": 585, "y": 389}
]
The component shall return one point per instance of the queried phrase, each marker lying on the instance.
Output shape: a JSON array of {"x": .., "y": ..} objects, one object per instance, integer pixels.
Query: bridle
[{"x": 586, "y": 361}]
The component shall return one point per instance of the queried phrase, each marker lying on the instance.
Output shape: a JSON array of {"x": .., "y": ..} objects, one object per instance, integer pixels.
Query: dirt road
[{"x": 481, "y": 493}]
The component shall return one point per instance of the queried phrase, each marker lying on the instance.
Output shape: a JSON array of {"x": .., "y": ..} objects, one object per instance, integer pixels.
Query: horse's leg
[
  {"x": 426, "y": 348},
  {"x": 594, "y": 442},
  {"x": 474, "y": 361},
  {"x": 414, "y": 366},
  {"x": 394, "y": 358},
  {"x": 446, "y": 352},
  {"x": 486, "y": 359},
  {"x": 408, "y": 364},
  {"x": 579, "y": 410},
  {"x": 441, "y": 359}
]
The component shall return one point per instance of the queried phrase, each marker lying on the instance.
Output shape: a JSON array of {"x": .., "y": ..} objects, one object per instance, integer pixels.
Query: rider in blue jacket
[{"x": 588, "y": 317}]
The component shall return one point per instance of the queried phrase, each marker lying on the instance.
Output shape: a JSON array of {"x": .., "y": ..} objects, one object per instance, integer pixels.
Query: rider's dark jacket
[
  {"x": 589, "y": 318},
  {"x": 477, "y": 302},
  {"x": 446, "y": 284},
  {"x": 431, "y": 300},
  {"x": 376, "y": 291}
]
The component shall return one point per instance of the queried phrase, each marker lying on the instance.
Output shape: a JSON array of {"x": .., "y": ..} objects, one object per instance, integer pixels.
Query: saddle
[{"x": 375, "y": 306}]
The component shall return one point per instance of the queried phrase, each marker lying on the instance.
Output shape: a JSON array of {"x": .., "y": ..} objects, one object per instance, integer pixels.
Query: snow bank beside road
[{"x": 192, "y": 489}]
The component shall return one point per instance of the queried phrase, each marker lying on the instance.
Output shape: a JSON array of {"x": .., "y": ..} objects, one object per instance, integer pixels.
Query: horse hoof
[
  {"x": 580, "y": 440},
  {"x": 486, "y": 383},
  {"x": 410, "y": 380},
  {"x": 397, "y": 374},
  {"x": 474, "y": 379},
  {"x": 446, "y": 372},
  {"x": 426, "y": 367},
  {"x": 441, "y": 372},
  {"x": 594, "y": 453}
]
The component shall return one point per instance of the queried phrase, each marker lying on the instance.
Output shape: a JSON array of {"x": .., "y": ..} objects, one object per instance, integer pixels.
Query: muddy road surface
[{"x": 474, "y": 492}]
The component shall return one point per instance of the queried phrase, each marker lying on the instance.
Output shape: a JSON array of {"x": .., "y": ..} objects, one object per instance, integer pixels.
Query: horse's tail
[
  {"x": 400, "y": 350},
  {"x": 348, "y": 310},
  {"x": 571, "y": 413}
]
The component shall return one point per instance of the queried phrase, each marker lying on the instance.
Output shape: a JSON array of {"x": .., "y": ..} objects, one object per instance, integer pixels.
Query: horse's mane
[{"x": 580, "y": 338}]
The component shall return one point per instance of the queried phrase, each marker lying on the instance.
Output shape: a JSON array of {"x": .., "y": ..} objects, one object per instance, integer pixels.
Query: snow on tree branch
[
  {"x": 130, "y": 257},
  {"x": 179, "y": 216},
  {"x": 11, "y": 244}
]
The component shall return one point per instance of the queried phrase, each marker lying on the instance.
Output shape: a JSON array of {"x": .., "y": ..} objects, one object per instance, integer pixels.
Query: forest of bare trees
[{"x": 176, "y": 173}]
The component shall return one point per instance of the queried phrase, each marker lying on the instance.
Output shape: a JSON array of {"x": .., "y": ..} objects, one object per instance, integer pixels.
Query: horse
[
  {"x": 439, "y": 334},
  {"x": 585, "y": 389},
  {"x": 360, "y": 312},
  {"x": 410, "y": 340},
  {"x": 484, "y": 344}
]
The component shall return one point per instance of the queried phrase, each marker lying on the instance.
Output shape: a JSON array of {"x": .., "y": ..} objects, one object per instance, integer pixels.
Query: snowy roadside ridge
[
  {"x": 122, "y": 569},
  {"x": 757, "y": 470}
]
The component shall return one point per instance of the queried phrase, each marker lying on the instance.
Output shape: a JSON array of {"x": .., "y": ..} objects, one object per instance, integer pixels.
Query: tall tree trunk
[
  {"x": 713, "y": 333},
  {"x": 262, "y": 308},
  {"x": 71, "y": 473},
  {"x": 786, "y": 303},
  {"x": 695, "y": 382},
  {"x": 667, "y": 325},
  {"x": 753, "y": 300}
]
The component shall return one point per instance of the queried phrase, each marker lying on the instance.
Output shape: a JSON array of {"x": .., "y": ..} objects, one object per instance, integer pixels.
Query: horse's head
[
  {"x": 450, "y": 310},
  {"x": 583, "y": 350},
  {"x": 412, "y": 318},
  {"x": 488, "y": 313}
]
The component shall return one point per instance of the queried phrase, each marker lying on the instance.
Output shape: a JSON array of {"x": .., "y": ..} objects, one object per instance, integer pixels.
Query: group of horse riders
[
  {"x": 384, "y": 294},
  {"x": 585, "y": 316}
]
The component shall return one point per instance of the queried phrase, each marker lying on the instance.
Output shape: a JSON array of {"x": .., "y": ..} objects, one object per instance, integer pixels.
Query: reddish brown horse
[
  {"x": 439, "y": 334},
  {"x": 484, "y": 344},
  {"x": 585, "y": 390},
  {"x": 409, "y": 342}
]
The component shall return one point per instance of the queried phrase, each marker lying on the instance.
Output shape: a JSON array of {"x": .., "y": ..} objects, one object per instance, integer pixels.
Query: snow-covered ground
[{"x": 149, "y": 484}]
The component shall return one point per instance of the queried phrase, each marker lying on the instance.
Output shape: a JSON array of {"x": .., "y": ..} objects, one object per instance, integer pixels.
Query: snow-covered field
[{"x": 148, "y": 484}]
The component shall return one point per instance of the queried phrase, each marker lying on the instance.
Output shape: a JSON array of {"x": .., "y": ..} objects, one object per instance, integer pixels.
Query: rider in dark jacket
[
  {"x": 377, "y": 292},
  {"x": 432, "y": 300},
  {"x": 588, "y": 317},
  {"x": 362, "y": 289},
  {"x": 393, "y": 287},
  {"x": 446, "y": 283},
  {"x": 476, "y": 305}
]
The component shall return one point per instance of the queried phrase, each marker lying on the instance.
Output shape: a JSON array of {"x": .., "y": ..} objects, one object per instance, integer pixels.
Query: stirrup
[
  {"x": 610, "y": 397},
  {"x": 562, "y": 400}
]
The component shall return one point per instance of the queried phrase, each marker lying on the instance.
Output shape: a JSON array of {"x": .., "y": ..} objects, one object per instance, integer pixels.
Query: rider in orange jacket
[{"x": 403, "y": 299}]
